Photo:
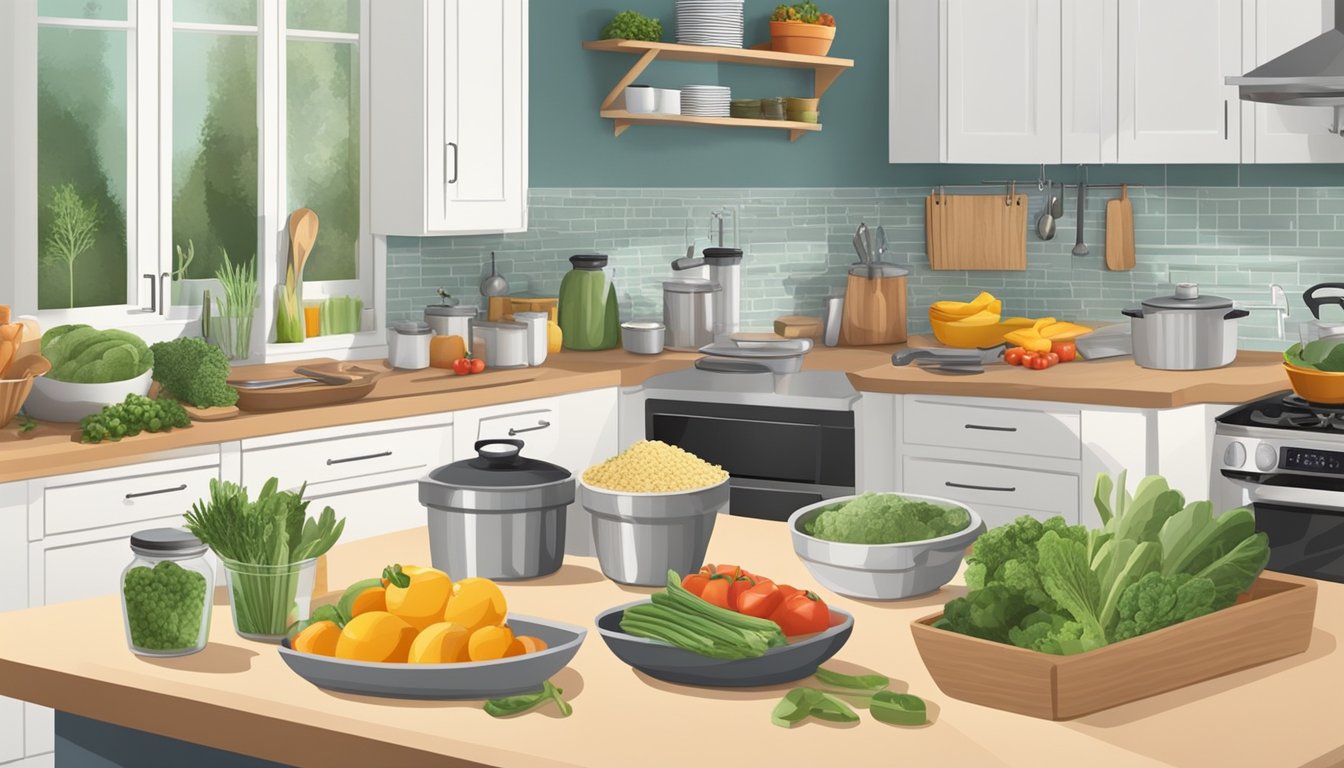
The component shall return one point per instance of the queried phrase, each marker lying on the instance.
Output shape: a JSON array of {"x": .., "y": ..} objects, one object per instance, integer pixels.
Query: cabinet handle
[
  {"x": 453, "y": 180},
  {"x": 1226, "y": 136},
  {"x": 359, "y": 458},
  {"x": 951, "y": 484},
  {"x": 163, "y": 285},
  {"x": 181, "y": 487},
  {"x": 153, "y": 294},
  {"x": 988, "y": 428},
  {"x": 541, "y": 424}
]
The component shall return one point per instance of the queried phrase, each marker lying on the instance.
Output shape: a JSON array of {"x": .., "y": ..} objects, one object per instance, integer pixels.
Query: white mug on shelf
[
  {"x": 668, "y": 101},
  {"x": 638, "y": 99}
]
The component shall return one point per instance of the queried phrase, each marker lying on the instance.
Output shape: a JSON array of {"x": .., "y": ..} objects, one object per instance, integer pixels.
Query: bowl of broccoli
[
  {"x": 884, "y": 546},
  {"x": 90, "y": 369}
]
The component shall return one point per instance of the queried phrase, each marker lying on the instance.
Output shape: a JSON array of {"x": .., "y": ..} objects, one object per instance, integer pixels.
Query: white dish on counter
[{"x": 66, "y": 401}]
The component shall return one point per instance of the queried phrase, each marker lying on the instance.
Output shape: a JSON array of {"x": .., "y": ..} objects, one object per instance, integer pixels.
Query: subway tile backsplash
[{"x": 1234, "y": 242}]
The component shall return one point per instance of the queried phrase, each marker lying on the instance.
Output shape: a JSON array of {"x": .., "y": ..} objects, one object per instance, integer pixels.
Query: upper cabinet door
[
  {"x": 1003, "y": 81},
  {"x": 1174, "y": 105},
  {"x": 1088, "y": 82},
  {"x": 1290, "y": 134}
]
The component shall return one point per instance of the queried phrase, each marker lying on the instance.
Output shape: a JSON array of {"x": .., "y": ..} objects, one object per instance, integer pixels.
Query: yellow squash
[
  {"x": 376, "y": 636},
  {"x": 440, "y": 643},
  {"x": 476, "y": 603}
]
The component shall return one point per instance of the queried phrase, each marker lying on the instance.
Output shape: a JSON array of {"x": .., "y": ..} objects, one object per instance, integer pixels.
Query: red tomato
[
  {"x": 716, "y": 591},
  {"x": 1014, "y": 355},
  {"x": 462, "y": 366},
  {"x": 1052, "y": 357},
  {"x": 731, "y": 571},
  {"x": 1066, "y": 350},
  {"x": 802, "y": 614},
  {"x": 785, "y": 591},
  {"x": 761, "y": 600},
  {"x": 477, "y": 365},
  {"x": 739, "y": 586},
  {"x": 695, "y": 583},
  {"x": 1038, "y": 363}
]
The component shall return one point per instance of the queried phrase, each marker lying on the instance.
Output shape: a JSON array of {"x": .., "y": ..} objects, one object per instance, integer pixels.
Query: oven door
[
  {"x": 1304, "y": 520},
  {"x": 767, "y": 500}
]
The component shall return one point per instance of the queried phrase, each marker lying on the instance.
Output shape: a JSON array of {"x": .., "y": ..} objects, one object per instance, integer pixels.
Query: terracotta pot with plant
[{"x": 802, "y": 28}]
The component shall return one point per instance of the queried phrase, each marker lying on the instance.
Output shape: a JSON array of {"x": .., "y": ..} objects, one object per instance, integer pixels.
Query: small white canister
[
  {"x": 667, "y": 101},
  {"x": 639, "y": 99},
  {"x": 408, "y": 345},
  {"x": 536, "y": 334}
]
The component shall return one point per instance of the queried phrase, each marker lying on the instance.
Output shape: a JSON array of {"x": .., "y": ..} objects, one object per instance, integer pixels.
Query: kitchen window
[{"x": 171, "y": 135}]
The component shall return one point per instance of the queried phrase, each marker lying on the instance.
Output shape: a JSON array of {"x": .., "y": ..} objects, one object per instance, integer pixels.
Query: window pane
[
  {"x": 322, "y": 146},
  {"x": 216, "y": 11},
  {"x": 114, "y": 10},
  {"x": 81, "y": 167},
  {"x": 324, "y": 15},
  {"x": 214, "y": 148}
]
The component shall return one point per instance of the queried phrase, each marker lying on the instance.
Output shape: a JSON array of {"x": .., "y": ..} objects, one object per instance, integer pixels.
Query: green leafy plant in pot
[
  {"x": 269, "y": 547},
  {"x": 801, "y": 28}
]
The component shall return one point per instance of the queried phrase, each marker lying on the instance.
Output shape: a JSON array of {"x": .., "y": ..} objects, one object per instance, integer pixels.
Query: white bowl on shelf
[{"x": 53, "y": 400}]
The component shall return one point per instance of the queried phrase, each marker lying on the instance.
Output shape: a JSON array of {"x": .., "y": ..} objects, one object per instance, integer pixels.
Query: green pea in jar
[{"x": 166, "y": 593}]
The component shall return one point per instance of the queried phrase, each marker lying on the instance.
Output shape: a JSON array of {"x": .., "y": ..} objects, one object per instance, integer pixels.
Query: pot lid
[
  {"x": 691, "y": 285},
  {"x": 166, "y": 542},
  {"x": 722, "y": 257},
  {"x": 450, "y": 310},
  {"x": 499, "y": 465},
  {"x": 588, "y": 260},
  {"x": 412, "y": 328},
  {"x": 1187, "y": 296},
  {"x": 877, "y": 269}
]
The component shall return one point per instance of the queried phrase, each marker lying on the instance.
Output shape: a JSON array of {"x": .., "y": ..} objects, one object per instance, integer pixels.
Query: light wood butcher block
[{"x": 874, "y": 311}]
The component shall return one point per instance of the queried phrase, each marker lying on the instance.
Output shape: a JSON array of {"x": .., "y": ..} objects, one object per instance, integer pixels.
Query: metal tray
[
  {"x": 676, "y": 665},
  {"x": 465, "y": 680}
]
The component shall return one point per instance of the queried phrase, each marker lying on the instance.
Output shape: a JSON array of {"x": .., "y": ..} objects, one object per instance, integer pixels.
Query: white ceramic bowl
[
  {"x": 53, "y": 400},
  {"x": 883, "y": 571}
]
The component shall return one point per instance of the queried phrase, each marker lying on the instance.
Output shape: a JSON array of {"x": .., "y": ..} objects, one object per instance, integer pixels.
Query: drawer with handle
[
  {"x": 124, "y": 500},
  {"x": 383, "y": 457},
  {"x": 538, "y": 428},
  {"x": 1053, "y": 433},
  {"x": 975, "y": 484}
]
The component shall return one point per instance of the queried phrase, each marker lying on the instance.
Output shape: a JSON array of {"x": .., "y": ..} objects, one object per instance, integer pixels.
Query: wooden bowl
[{"x": 12, "y": 394}]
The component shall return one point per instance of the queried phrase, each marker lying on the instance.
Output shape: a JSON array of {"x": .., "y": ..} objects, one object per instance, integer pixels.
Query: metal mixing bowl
[{"x": 641, "y": 536}]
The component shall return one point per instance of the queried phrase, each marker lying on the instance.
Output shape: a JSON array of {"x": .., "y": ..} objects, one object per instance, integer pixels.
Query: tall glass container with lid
[
  {"x": 589, "y": 316},
  {"x": 166, "y": 593}
]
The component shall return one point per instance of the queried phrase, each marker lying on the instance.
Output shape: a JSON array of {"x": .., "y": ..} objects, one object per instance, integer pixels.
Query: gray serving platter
[
  {"x": 784, "y": 664},
  {"x": 465, "y": 680}
]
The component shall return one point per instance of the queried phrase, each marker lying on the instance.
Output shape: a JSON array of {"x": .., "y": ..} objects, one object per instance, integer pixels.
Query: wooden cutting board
[
  {"x": 977, "y": 232},
  {"x": 1120, "y": 232}
]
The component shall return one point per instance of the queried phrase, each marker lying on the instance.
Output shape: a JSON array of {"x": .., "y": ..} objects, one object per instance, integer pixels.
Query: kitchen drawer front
[
  {"x": 1055, "y": 433},
  {"x": 538, "y": 427},
  {"x": 374, "y": 511},
  {"x": 976, "y": 484},
  {"x": 125, "y": 500},
  {"x": 382, "y": 457},
  {"x": 84, "y": 569}
]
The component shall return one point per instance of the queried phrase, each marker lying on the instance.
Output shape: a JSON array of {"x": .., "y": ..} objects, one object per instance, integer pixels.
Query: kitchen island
[{"x": 238, "y": 696}]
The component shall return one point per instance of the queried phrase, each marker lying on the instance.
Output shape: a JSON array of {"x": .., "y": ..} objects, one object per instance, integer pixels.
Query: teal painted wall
[{"x": 572, "y": 147}]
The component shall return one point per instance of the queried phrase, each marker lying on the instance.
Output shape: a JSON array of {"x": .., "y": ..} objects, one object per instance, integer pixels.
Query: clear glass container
[
  {"x": 269, "y": 599},
  {"x": 166, "y": 593}
]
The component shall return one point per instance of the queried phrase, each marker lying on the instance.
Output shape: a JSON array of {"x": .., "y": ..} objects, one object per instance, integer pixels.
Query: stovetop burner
[{"x": 1286, "y": 410}]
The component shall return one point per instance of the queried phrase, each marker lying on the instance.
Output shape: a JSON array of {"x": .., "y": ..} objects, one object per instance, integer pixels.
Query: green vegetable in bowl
[
  {"x": 886, "y": 518},
  {"x": 80, "y": 354},
  {"x": 1320, "y": 355},
  {"x": 631, "y": 25},
  {"x": 130, "y": 417},
  {"x": 190, "y": 370}
]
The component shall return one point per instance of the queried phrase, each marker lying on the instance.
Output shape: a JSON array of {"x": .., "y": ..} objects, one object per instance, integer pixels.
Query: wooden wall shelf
[{"x": 825, "y": 68}]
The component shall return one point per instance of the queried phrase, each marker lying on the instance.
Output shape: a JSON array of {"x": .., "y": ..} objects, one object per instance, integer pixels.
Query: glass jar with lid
[{"x": 166, "y": 593}]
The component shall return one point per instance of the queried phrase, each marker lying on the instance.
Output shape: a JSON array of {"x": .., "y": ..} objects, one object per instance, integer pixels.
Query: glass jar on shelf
[{"x": 166, "y": 593}]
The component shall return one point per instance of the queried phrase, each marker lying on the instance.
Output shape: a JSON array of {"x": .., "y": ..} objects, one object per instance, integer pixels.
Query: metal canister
[{"x": 688, "y": 312}]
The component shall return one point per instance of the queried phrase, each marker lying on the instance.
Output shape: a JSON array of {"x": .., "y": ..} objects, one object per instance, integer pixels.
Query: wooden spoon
[
  {"x": 29, "y": 365},
  {"x": 302, "y": 235}
]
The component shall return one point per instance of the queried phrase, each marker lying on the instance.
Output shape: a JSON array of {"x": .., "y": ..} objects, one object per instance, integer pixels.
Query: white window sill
[{"x": 342, "y": 346}]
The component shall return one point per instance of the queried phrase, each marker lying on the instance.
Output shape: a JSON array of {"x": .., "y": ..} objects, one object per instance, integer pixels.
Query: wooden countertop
[
  {"x": 55, "y": 448},
  {"x": 238, "y": 695}
]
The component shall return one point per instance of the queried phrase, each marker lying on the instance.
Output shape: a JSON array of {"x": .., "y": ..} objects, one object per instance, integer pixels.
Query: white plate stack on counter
[
  {"x": 710, "y": 22},
  {"x": 705, "y": 100}
]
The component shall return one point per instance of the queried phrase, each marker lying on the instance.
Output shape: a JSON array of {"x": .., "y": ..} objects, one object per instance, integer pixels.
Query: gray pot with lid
[
  {"x": 1185, "y": 331},
  {"x": 499, "y": 515}
]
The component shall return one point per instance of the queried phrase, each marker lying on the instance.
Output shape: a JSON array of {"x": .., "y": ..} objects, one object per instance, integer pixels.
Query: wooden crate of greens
[{"x": 1272, "y": 620}]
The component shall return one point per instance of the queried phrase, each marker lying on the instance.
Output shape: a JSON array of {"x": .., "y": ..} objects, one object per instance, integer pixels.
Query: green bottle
[{"x": 589, "y": 316}]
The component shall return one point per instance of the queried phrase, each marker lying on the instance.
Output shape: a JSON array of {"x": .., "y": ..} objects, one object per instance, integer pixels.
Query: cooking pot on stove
[{"x": 1184, "y": 331}]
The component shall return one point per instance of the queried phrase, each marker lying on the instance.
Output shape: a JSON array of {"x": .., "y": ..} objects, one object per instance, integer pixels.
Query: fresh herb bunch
[
  {"x": 194, "y": 372},
  {"x": 631, "y": 25},
  {"x": 132, "y": 416},
  {"x": 263, "y": 543}
]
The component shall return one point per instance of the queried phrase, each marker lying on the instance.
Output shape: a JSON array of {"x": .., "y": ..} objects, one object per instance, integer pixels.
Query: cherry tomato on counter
[
  {"x": 1014, "y": 355},
  {"x": 477, "y": 365},
  {"x": 801, "y": 614},
  {"x": 462, "y": 366},
  {"x": 1067, "y": 351},
  {"x": 1053, "y": 357}
]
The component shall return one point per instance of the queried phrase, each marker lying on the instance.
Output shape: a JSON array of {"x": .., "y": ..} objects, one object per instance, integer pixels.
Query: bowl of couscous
[{"x": 653, "y": 508}]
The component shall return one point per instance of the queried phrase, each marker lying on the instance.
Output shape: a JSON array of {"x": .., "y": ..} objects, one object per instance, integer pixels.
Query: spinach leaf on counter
[
  {"x": 855, "y": 682},
  {"x": 898, "y": 708},
  {"x": 516, "y": 705}
]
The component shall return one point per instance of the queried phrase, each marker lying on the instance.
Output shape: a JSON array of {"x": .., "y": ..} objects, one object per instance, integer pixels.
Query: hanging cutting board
[
  {"x": 1120, "y": 232},
  {"x": 978, "y": 232}
]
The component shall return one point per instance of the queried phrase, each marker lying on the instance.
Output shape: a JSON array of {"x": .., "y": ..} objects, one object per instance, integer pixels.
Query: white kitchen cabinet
[
  {"x": 449, "y": 118},
  {"x": 13, "y": 597},
  {"x": 1174, "y": 104},
  {"x": 1283, "y": 134},
  {"x": 573, "y": 431},
  {"x": 1088, "y": 82},
  {"x": 367, "y": 473}
]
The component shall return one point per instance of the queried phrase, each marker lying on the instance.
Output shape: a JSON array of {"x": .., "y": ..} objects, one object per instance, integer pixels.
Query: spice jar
[{"x": 166, "y": 593}]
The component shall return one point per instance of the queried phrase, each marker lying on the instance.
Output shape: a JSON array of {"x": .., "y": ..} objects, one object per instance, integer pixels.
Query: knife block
[{"x": 874, "y": 311}]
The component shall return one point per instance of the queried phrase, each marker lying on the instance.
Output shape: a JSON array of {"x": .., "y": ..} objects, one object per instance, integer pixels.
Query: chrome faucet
[{"x": 1278, "y": 303}]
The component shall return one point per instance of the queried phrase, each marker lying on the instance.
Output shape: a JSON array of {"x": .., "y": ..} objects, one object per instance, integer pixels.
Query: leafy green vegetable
[
  {"x": 1158, "y": 601},
  {"x": 802, "y": 703},
  {"x": 516, "y": 705},
  {"x": 26, "y": 424},
  {"x": 1070, "y": 581},
  {"x": 83, "y": 355},
  {"x": 898, "y": 708},
  {"x": 855, "y": 682},
  {"x": 630, "y": 25},
  {"x": 190, "y": 370},
  {"x": 679, "y": 618},
  {"x": 886, "y": 518},
  {"x": 1321, "y": 355},
  {"x": 828, "y": 707},
  {"x": 130, "y": 417}
]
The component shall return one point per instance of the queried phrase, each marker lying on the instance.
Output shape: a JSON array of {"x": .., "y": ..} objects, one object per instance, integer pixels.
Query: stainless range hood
[{"x": 1310, "y": 75}]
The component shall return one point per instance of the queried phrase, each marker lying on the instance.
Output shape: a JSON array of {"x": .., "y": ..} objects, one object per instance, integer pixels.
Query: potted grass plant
[
  {"x": 232, "y": 325},
  {"x": 801, "y": 28}
]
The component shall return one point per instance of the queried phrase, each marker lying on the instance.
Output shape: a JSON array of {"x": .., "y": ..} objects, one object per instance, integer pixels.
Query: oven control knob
[
  {"x": 1266, "y": 458},
  {"x": 1235, "y": 455}
]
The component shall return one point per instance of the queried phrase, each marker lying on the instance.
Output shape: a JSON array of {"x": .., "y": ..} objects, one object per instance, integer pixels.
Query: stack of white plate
[
  {"x": 706, "y": 100},
  {"x": 710, "y": 22}
]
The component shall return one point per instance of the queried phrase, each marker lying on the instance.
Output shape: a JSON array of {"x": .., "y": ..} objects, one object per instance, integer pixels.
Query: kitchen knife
[{"x": 941, "y": 356}]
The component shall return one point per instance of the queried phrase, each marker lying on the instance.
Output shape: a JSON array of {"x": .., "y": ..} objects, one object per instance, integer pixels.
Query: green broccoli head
[
  {"x": 190, "y": 370},
  {"x": 1157, "y": 601},
  {"x": 989, "y": 613},
  {"x": 886, "y": 518},
  {"x": 1052, "y": 633},
  {"x": 83, "y": 355}
]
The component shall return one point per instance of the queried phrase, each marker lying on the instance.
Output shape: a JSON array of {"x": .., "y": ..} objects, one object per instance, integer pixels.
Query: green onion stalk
[{"x": 237, "y": 308}]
